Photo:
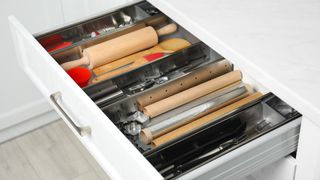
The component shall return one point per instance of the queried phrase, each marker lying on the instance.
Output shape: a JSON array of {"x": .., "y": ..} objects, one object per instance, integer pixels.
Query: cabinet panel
[
  {"x": 308, "y": 153},
  {"x": 283, "y": 169}
]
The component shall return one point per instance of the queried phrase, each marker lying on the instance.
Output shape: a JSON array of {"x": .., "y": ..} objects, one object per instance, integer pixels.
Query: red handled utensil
[{"x": 80, "y": 75}]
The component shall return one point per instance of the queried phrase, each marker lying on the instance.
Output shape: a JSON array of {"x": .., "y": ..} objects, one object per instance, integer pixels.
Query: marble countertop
[{"x": 276, "y": 42}]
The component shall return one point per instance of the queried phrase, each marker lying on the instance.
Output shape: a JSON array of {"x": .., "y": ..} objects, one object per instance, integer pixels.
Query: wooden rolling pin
[
  {"x": 166, "y": 46},
  {"x": 197, "y": 77},
  {"x": 191, "y": 104},
  {"x": 217, "y": 100},
  {"x": 203, "y": 120},
  {"x": 191, "y": 94},
  {"x": 119, "y": 47},
  {"x": 128, "y": 63}
]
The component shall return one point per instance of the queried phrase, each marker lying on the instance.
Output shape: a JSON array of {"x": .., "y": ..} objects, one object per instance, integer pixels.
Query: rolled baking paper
[
  {"x": 203, "y": 120},
  {"x": 216, "y": 101},
  {"x": 191, "y": 94},
  {"x": 197, "y": 77},
  {"x": 191, "y": 104}
]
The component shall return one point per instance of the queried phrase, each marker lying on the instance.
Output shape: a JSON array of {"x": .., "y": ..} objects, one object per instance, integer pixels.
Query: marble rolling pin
[
  {"x": 167, "y": 46},
  {"x": 216, "y": 101},
  {"x": 187, "y": 128},
  {"x": 195, "y": 78},
  {"x": 119, "y": 47},
  {"x": 191, "y": 94}
]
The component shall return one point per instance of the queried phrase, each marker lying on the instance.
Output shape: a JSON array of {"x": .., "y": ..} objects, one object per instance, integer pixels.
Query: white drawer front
[{"x": 107, "y": 144}]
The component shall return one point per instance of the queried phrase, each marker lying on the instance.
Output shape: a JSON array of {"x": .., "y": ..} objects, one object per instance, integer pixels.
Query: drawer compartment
[
  {"x": 85, "y": 33},
  {"x": 228, "y": 133},
  {"x": 107, "y": 115}
]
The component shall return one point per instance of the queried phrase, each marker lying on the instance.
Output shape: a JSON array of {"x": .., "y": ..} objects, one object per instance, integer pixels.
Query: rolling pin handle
[
  {"x": 168, "y": 29},
  {"x": 72, "y": 64}
]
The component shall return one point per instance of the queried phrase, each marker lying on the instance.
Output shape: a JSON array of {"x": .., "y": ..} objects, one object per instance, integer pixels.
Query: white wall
[
  {"x": 20, "y": 100},
  {"x": 88, "y": 7}
]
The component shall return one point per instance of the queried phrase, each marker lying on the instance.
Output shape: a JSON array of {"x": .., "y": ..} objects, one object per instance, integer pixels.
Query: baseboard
[{"x": 24, "y": 119}]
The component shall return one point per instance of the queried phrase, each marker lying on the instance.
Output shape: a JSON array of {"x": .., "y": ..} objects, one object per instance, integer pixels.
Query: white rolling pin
[{"x": 119, "y": 47}]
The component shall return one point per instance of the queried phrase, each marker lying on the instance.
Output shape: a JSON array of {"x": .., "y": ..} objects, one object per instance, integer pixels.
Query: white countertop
[{"x": 276, "y": 42}]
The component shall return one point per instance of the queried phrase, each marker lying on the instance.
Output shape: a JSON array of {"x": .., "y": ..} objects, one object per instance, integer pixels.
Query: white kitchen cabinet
[
  {"x": 111, "y": 148},
  {"x": 283, "y": 169},
  {"x": 308, "y": 153}
]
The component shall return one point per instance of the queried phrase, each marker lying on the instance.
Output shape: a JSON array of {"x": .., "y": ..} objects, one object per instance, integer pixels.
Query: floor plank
[
  {"x": 87, "y": 176},
  {"x": 84, "y": 152},
  {"x": 49, "y": 153},
  {"x": 14, "y": 165}
]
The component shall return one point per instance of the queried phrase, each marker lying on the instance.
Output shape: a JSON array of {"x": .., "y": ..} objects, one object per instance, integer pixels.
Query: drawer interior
[
  {"x": 220, "y": 137},
  {"x": 119, "y": 96},
  {"x": 67, "y": 43},
  {"x": 85, "y": 32}
]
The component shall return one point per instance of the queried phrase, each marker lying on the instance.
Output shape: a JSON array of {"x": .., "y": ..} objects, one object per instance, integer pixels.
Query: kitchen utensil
[
  {"x": 127, "y": 19},
  {"x": 194, "y": 78},
  {"x": 138, "y": 117},
  {"x": 133, "y": 128},
  {"x": 166, "y": 46},
  {"x": 247, "y": 134},
  {"x": 59, "y": 46},
  {"x": 54, "y": 42},
  {"x": 194, "y": 103},
  {"x": 128, "y": 67},
  {"x": 222, "y": 147},
  {"x": 80, "y": 75},
  {"x": 191, "y": 94},
  {"x": 152, "y": 11},
  {"x": 114, "y": 22},
  {"x": 203, "y": 120},
  {"x": 139, "y": 87},
  {"x": 119, "y": 47},
  {"x": 109, "y": 98},
  {"x": 103, "y": 91},
  {"x": 169, "y": 159},
  {"x": 219, "y": 99},
  {"x": 157, "y": 79}
]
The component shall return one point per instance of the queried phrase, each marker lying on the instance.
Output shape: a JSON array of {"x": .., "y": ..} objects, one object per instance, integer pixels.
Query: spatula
[{"x": 128, "y": 67}]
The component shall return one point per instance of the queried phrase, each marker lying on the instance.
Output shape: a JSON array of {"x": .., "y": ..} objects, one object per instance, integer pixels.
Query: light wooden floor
[{"x": 49, "y": 153}]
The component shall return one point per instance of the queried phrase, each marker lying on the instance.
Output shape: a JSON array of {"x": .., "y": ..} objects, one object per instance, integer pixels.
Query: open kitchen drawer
[{"x": 117, "y": 155}]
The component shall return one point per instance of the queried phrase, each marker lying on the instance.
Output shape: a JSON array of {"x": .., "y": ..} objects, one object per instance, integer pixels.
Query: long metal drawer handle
[{"x": 81, "y": 130}]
